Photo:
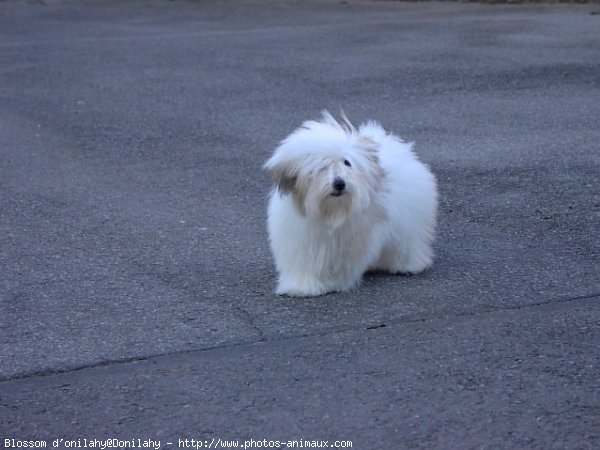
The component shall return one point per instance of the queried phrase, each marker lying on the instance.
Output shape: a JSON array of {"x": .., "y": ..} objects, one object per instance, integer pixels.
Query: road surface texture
[{"x": 136, "y": 282}]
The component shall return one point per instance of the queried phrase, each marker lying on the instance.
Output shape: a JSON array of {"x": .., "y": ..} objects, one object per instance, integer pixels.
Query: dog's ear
[
  {"x": 369, "y": 148},
  {"x": 284, "y": 176},
  {"x": 284, "y": 179}
]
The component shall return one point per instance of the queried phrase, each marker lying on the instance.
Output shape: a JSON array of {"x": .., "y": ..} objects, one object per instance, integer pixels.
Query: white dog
[{"x": 347, "y": 201}]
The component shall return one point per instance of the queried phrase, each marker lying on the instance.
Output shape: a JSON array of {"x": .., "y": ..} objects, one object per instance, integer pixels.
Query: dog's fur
[{"x": 347, "y": 201}]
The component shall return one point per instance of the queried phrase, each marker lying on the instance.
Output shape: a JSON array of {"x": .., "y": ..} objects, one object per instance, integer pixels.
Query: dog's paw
[
  {"x": 297, "y": 292},
  {"x": 409, "y": 270},
  {"x": 296, "y": 289}
]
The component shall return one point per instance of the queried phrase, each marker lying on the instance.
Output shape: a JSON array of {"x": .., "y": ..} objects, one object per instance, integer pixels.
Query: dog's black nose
[{"x": 339, "y": 184}]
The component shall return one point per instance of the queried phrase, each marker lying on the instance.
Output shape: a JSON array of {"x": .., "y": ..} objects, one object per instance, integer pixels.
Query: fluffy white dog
[{"x": 347, "y": 201}]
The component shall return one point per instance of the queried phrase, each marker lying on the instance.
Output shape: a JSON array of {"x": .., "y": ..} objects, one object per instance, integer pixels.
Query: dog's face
[{"x": 329, "y": 169}]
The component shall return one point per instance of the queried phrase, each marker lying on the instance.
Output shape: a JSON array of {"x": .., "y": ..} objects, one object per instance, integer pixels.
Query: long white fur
[{"x": 384, "y": 221}]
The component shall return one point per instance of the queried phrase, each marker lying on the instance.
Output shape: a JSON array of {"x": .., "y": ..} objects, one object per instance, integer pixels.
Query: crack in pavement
[{"x": 277, "y": 338}]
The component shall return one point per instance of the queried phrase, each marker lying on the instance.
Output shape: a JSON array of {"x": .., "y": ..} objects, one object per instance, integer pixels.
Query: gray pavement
[{"x": 136, "y": 284}]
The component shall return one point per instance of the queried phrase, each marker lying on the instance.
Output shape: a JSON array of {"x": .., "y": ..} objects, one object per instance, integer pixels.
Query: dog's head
[{"x": 330, "y": 170}]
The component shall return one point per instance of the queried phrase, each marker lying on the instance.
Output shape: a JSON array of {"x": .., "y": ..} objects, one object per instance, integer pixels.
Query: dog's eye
[{"x": 347, "y": 163}]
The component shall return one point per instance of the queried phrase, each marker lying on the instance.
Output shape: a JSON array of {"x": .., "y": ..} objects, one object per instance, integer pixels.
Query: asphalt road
[{"x": 136, "y": 284}]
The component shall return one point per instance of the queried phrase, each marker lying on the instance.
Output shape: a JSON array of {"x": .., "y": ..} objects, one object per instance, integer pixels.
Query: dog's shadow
[{"x": 376, "y": 274}]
